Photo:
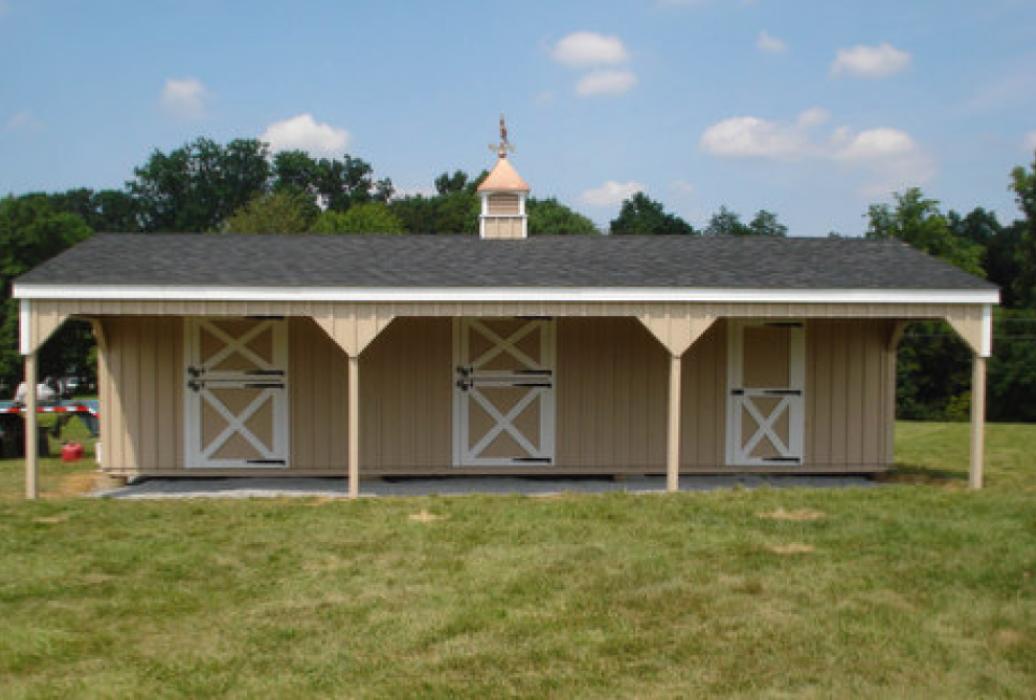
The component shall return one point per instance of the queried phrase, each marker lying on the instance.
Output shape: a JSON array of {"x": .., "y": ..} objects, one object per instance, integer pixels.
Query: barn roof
[{"x": 468, "y": 262}]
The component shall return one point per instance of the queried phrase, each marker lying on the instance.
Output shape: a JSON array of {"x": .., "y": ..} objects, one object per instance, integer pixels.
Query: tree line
[{"x": 240, "y": 187}]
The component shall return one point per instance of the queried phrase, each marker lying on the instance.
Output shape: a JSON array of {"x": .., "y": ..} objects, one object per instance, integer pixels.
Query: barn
[{"x": 503, "y": 353}]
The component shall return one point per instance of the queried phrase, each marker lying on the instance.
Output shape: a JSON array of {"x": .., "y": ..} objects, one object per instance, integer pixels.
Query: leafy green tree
[
  {"x": 31, "y": 231},
  {"x": 416, "y": 212},
  {"x": 196, "y": 187},
  {"x": 1012, "y": 370},
  {"x": 454, "y": 208},
  {"x": 296, "y": 171},
  {"x": 765, "y": 223},
  {"x": 342, "y": 183},
  {"x": 104, "y": 211},
  {"x": 1001, "y": 248},
  {"x": 550, "y": 216},
  {"x": 933, "y": 373},
  {"x": 726, "y": 223},
  {"x": 1023, "y": 183},
  {"x": 369, "y": 217},
  {"x": 641, "y": 215},
  {"x": 917, "y": 220},
  {"x": 286, "y": 211},
  {"x": 113, "y": 211},
  {"x": 457, "y": 212},
  {"x": 447, "y": 183}
]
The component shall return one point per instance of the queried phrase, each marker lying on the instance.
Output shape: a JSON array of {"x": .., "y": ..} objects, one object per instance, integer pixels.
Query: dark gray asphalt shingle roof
[{"x": 467, "y": 261}]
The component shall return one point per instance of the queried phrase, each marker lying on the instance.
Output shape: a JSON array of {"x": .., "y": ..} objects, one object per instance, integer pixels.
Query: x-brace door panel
[
  {"x": 236, "y": 399},
  {"x": 503, "y": 395},
  {"x": 766, "y": 387}
]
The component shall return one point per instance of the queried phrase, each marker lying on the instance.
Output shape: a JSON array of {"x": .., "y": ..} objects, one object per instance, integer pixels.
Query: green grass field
[{"x": 916, "y": 589}]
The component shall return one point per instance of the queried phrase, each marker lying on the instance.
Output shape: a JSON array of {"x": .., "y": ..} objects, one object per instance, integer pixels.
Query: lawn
[{"x": 919, "y": 588}]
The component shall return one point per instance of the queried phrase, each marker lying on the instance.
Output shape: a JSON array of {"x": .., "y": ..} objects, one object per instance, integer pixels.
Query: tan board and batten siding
[{"x": 611, "y": 397}]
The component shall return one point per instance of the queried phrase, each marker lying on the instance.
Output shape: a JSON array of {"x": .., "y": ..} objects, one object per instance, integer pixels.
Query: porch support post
[
  {"x": 677, "y": 327},
  {"x": 31, "y": 445},
  {"x": 354, "y": 426},
  {"x": 974, "y": 324},
  {"x": 672, "y": 460},
  {"x": 978, "y": 420}
]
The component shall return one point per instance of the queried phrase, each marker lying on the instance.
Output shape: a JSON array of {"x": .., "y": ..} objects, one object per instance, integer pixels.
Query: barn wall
[
  {"x": 141, "y": 393},
  {"x": 611, "y": 396},
  {"x": 849, "y": 381},
  {"x": 317, "y": 380},
  {"x": 612, "y": 379},
  {"x": 406, "y": 394},
  {"x": 141, "y": 385}
]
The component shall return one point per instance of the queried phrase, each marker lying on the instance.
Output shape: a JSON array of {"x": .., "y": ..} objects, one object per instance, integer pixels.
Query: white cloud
[
  {"x": 587, "y": 49},
  {"x": 890, "y": 157},
  {"x": 887, "y": 158},
  {"x": 22, "y": 121},
  {"x": 814, "y": 116},
  {"x": 873, "y": 144},
  {"x": 184, "y": 98},
  {"x": 770, "y": 44},
  {"x": 747, "y": 137},
  {"x": 304, "y": 133},
  {"x": 870, "y": 61},
  {"x": 1030, "y": 141},
  {"x": 610, "y": 193},
  {"x": 683, "y": 188},
  {"x": 606, "y": 82}
]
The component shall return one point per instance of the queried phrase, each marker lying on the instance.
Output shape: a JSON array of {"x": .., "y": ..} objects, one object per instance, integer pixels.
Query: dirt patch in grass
[
  {"x": 791, "y": 548},
  {"x": 1008, "y": 638},
  {"x": 51, "y": 519},
  {"x": 802, "y": 514},
  {"x": 424, "y": 517},
  {"x": 76, "y": 484}
]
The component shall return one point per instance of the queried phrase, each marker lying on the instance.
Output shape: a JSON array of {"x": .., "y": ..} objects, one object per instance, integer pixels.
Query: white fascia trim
[
  {"x": 24, "y": 331},
  {"x": 987, "y": 331},
  {"x": 505, "y": 294}
]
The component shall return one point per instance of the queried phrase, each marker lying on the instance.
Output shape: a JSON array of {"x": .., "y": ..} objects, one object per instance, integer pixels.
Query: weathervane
[{"x": 504, "y": 146}]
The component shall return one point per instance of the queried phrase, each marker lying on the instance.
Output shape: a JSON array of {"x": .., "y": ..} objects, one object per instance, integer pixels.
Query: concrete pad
[{"x": 266, "y": 487}]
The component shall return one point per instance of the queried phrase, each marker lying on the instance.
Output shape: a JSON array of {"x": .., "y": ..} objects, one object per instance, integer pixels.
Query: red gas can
[{"x": 71, "y": 452}]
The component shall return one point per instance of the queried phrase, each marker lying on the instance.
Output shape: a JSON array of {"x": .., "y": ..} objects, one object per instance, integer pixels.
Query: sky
[{"x": 813, "y": 110}]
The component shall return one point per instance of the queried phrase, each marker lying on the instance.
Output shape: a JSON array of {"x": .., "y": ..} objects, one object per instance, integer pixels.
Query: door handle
[{"x": 464, "y": 384}]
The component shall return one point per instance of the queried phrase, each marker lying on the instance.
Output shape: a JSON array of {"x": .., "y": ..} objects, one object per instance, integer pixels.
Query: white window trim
[
  {"x": 504, "y": 294},
  {"x": 987, "y": 331},
  {"x": 24, "y": 329}
]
